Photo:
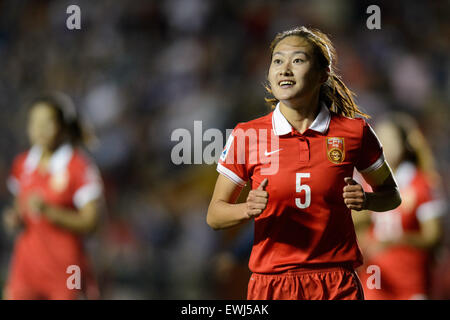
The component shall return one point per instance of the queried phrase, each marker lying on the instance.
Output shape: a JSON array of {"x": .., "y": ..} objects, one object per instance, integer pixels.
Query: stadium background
[{"x": 137, "y": 70}]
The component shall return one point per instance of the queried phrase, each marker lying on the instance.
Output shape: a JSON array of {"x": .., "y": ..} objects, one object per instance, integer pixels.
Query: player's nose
[{"x": 286, "y": 71}]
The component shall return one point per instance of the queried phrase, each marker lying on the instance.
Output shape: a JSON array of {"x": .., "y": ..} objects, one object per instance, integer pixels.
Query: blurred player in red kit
[
  {"x": 304, "y": 241},
  {"x": 400, "y": 242},
  {"x": 57, "y": 189}
]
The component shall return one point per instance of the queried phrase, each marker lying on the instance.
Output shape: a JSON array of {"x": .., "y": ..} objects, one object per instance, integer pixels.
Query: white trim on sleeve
[
  {"x": 430, "y": 210},
  {"x": 86, "y": 194},
  {"x": 13, "y": 185},
  {"x": 374, "y": 166},
  {"x": 230, "y": 175}
]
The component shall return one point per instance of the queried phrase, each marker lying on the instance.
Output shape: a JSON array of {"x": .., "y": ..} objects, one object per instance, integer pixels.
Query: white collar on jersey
[
  {"x": 320, "y": 124},
  {"x": 58, "y": 162}
]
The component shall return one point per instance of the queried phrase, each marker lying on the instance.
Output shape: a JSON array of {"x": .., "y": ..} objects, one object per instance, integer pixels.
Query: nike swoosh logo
[{"x": 271, "y": 152}]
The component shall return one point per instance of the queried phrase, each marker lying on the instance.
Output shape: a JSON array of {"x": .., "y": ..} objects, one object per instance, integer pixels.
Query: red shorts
[
  {"x": 330, "y": 283},
  {"x": 23, "y": 286},
  {"x": 406, "y": 283},
  {"x": 26, "y": 283}
]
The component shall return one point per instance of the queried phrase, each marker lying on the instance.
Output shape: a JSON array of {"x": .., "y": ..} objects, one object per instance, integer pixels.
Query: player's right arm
[
  {"x": 12, "y": 220},
  {"x": 11, "y": 215},
  {"x": 224, "y": 212}
]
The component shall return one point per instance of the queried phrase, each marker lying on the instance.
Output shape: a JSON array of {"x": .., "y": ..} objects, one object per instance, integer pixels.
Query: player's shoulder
[
  {"x": 22, "y": 156},
  {"x": 341, "y": 120},
  {"x": 19, "y": 159},
  {"x": 82, "y": 164},
  {"x": 81, "y": 158},
  {"x": 353, "y": 126},
  {"x": 421, "y": 179},
  {"x": 261, "y": 122}
]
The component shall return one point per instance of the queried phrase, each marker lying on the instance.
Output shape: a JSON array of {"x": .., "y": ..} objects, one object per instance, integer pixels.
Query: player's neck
[
  {"x": 47, "y": 153},
  {"x": 300, "y": 114}
]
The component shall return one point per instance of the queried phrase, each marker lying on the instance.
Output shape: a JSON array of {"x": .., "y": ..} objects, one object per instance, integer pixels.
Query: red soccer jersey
[
  {"x": 306, "y": 220},
  {"x": 404, "y": 269},
  {"x": 44, "y": 251}
]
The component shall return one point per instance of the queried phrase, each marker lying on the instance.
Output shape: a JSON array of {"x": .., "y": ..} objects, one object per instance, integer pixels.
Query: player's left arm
[
  {"x": 12, "y": 218},
  {"x": 82, "y": 220},
  {"x": 385, "y": 195},
  {"x": 428, "y": 237},
  {"x": 430, "y": 215}
]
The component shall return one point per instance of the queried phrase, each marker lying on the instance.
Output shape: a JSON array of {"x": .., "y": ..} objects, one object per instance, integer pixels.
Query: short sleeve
[
  {"x": 232, "y": 161},
  {"x": 87, "y": 183},
  {"x": 13, "y": 180},
  {"x": 435, "y": 208},
  {"x": 431, "y": 203},
  {"x": 371, "y": 152}
]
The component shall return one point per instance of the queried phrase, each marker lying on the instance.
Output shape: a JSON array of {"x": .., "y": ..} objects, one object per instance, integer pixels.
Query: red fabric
[
  {"x": 335, "y": 283},
  {"x": 371, "y": 148},
  {"x": 404, "y": 269},
  {"x": 44, "y": 251},
  {"x": 287, "y": 236},
  {"x": 27, "y": 283}
]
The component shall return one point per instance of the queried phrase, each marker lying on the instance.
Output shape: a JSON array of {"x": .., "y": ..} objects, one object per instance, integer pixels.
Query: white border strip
[
  {"x": 86, "y": 194},
  {"x": 230, "y": 175},
  {"x": 430, "y": 210},
  {"x": 13, "y": 185},
  {"x": 376, "y": 165}
]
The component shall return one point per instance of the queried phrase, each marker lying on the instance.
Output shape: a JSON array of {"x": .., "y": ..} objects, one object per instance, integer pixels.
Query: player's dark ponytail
[{"x": 333, "y": 92}]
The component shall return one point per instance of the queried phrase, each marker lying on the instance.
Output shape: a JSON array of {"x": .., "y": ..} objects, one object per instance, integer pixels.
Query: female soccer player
[
  {"x": 57, "y": 190},
  {"x": 300, "y": 158},
  {"x": 400, "y": 243}
]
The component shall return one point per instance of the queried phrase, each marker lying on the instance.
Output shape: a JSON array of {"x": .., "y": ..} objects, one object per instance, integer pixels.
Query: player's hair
[
  {"x": 333, "y": 92},
  {"x": 67, "y": 116},
  {"x": 416, "y": 148}
]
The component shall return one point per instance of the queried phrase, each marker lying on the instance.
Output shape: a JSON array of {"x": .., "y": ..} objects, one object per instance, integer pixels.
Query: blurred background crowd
[{"x": 137, "y": 70}]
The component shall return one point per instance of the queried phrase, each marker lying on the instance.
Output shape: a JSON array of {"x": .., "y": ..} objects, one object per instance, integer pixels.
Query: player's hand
[
  {"x": 36, "y": 205},
  {"x": 257, "y": 200},
  {"x": 11, "y": 220},
  {"x": 354, "y": 195}
]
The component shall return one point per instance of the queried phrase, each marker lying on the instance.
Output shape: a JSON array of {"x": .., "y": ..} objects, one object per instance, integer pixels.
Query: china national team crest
[{"x": 335, "y": 150}]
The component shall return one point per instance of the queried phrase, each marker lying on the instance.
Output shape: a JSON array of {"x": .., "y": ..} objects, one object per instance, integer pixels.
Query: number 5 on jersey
[{"x": 302, "y": 187}]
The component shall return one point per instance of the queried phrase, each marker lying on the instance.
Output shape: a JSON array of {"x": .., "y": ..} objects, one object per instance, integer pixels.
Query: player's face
[
  {"x": 43, "y": 126},
  {"x": 391, "y": 140},
  {"x": 293, "y": 74}
]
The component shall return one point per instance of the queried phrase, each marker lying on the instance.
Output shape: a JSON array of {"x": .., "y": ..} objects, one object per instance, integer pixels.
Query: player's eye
[
  {"x": 277, "y": 61},
  {"x": 298, "y": 60}
]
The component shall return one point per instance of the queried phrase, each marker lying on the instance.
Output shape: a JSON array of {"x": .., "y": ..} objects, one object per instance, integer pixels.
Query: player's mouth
[{"x": 286, "y": 84}]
